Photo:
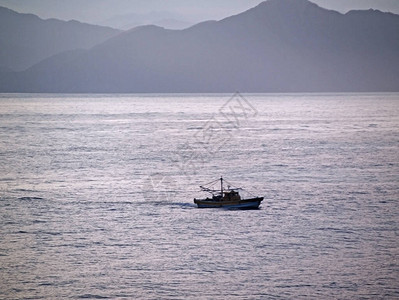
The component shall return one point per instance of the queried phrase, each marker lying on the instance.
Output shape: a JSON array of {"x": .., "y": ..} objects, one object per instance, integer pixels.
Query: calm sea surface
[{"x": 96, "y": 196}]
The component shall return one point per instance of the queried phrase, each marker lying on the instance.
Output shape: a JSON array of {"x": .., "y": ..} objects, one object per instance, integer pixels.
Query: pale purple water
[{"x": 96, "y": 196}]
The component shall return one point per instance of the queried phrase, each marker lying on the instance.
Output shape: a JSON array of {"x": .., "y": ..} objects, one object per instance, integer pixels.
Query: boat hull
[{"x": 252, "y": 203}]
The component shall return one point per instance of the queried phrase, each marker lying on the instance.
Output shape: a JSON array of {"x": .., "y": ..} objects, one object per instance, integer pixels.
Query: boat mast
[{"x": 221, "y": 185}]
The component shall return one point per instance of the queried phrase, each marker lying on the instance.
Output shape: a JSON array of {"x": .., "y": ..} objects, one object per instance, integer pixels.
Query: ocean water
[{"x": 96, "y": 196}]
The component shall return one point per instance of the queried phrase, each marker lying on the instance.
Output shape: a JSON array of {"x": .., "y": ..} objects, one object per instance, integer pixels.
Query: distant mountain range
[
  {"x": 277, "y": 46},
  {"x": 163, "y": 19},
  {"x": 25, "y": 39}
]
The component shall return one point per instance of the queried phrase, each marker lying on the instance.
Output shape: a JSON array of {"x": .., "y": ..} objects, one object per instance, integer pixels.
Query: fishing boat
[{"x": 226, "y": 198}]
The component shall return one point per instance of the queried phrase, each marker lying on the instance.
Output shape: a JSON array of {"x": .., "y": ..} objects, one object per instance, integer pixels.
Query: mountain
[
  {"x": 277, "y": 46},
  {"x": 26, "y": 39},
  {"x": 162, "y": 18}
]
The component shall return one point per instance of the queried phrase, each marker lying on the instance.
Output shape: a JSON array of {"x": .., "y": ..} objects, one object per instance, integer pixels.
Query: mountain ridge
[
  {"x": 27, "y": 39},
  {"x": 277, "y": 46}
]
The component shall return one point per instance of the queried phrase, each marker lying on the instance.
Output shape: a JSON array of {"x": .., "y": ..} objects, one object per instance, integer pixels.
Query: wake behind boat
[{"x": 226, "y": 198}]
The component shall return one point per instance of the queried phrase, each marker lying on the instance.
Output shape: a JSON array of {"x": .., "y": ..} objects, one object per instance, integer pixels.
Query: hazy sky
[{"x": 93, "y": 11}]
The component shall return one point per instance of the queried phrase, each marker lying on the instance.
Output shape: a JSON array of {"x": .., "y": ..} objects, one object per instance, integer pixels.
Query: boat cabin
[{"x": 231, "y": 195}]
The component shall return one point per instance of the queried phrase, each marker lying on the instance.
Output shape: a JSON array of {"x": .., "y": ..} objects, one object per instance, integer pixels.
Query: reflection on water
[{"x": 96, "y": 197}]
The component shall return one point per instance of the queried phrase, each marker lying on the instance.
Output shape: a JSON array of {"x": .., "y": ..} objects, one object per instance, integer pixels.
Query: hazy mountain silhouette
[
  {"x": 278, "y": 46},
  {"x": 161, "y": 18},
  {"x": 26, "y": 39}
]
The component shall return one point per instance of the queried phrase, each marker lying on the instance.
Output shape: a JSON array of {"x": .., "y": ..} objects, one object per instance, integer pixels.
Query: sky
[{"x": 96, "y": 11}]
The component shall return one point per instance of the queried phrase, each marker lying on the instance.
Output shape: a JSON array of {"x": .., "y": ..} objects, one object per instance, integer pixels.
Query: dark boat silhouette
[{"x": 227, "y": 198}]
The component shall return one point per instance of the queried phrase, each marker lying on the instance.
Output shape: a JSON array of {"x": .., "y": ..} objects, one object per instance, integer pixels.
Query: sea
[{"x": 96, "y": 196}]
